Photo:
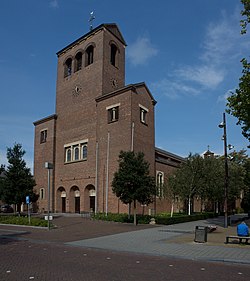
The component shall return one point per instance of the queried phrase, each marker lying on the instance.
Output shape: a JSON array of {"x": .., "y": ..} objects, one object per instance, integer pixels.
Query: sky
[{"x": 187, "y": 52}]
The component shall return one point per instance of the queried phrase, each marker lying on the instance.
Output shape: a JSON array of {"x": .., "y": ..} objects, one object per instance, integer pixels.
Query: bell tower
[{"x": 91, "y": 66}]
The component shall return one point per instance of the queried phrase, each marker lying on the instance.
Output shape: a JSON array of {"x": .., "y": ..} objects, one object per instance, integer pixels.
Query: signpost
[
  {"x": 28, "y": 204},
  {"x": 49, "y": 167}
]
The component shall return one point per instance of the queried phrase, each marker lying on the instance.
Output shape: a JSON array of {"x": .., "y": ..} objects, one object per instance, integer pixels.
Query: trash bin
[{"x": 200, "y": 234}]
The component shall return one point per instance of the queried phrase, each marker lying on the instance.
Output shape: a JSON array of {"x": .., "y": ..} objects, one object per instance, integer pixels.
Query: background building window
[
  {"x": 113, "y": 114},
  {"x": 43, "y": 136}
]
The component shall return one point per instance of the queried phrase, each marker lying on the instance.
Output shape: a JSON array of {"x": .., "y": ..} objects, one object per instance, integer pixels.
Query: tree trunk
[
  {"x": 135, "y": 212},
  {"x": 189, "y": 206},
  {"x": 129, "y": 210},
  {"x": 172, "y": 208}
]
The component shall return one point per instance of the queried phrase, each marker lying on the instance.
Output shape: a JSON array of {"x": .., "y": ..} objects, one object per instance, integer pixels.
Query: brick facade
[{"x": 96, "y": 117}]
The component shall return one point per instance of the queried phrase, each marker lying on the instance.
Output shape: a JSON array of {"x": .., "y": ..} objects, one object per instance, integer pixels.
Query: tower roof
[{"x": 111, "y": 27}]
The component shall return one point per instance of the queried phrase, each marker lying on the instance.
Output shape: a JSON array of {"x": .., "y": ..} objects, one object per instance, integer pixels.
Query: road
[
  {"x": 48, "y": 256},
  {"x": 26, "y": 260}
]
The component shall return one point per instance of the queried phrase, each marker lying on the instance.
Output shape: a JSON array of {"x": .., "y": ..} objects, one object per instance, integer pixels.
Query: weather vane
[{"x": 92, "y": 17}]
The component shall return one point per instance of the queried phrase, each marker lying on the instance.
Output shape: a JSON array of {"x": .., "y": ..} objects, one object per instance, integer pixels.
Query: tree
[
  {"x": 18, "y": 181},
  {"x": 239, "y": 102},
  {"x": 2, "y": 175},
  {"x": 245, "y": 12},
  {"x": 246, "y": 199},
  {"x": 132, "y": 182},
  {"x": 205, "y": 178},
  {"x": 213, "y": 181},
  {"x": 187, "y": 180}
]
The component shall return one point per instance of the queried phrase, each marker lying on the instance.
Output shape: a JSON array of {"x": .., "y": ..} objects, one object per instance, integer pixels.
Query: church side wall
[{"x": 44, "y": 152}]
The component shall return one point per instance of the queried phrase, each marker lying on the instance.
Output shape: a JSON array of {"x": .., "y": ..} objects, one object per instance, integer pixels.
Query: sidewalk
[{"x": 175, "y": 241}]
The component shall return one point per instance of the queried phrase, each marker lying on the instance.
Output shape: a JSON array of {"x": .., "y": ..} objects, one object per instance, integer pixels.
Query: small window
[
  {"x": 84, "y": 151},
  {"x": 76, "y": 153},
  {"x": 89, "y": 58},
  {"x": 160, "y": 181},
  {"x": 68, "y": 67},
  {"x": 68, "y": 155},
  {"x": 42, "y": 194},
  {"x": 78, "y": 61},
  {"x": 43, "y": 136},
  {"x": 143, "y": 115},
  {"x": 113, "y": 114},
  {"x": 113, "y": 55}
]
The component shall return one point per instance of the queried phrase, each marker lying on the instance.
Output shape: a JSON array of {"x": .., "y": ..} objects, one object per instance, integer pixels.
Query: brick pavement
[
  {"x": 25, "y": 260},
  {"x": 170, "y": 241}
]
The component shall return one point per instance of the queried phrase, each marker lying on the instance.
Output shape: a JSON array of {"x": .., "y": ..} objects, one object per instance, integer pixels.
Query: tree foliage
[
  {"x": 205, "y": 178},
  {"x": 245, "y": 13},
  {"x": 17, "y": 182},
  {"x": 187, "y": 179},
  {"x": 132, "y": 182},
  {"x": 239, "y": 102},
  {"x": 246, "y": 199}
]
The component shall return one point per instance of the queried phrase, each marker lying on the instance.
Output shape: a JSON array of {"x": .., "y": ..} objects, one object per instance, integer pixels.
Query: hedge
[
  {"x": 159, "y": 219},
  {"x": 20, "y": 220}
]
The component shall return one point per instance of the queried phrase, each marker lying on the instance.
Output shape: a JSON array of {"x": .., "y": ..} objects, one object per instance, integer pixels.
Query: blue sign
[{"x": 27, "y": 199}]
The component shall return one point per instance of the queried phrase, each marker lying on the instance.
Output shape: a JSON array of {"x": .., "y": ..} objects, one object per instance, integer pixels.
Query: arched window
[
  {"x": 68, "y": 155},
  {"x": 113, "y": 54},
  {"x": 78, "y": 61},
  {"x": 42, "y": 193},
  {"x": 68, "y": 67},
  {"x": 76, "y": 153},
  {"x": 160, "y": 181},
  {"x": 89, "y": 57},
  {"x": 84, "y": 152}
]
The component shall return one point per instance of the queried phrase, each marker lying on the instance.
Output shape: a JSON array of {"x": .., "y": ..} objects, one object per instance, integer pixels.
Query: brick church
[{"x": 96, "y": 117}]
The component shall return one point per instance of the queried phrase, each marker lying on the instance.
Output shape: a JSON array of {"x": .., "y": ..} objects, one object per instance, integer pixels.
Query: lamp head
[{"x": 221, "y": 125}]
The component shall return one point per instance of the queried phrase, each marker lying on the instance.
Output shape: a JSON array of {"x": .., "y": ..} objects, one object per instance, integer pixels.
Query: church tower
[{"x": 96, "y": 117}]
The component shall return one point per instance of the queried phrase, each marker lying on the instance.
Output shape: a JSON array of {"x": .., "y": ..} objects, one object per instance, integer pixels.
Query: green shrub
[
  {"x": 163, "y": 218},
  {"x": 21, "y": 220},
  {"x": 182, "y": 218}
]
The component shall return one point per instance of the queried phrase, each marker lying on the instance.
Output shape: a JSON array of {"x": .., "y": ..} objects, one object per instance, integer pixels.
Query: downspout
[
  {"x": 96, "y": 177},
  {"x": 107, "y": 174}
]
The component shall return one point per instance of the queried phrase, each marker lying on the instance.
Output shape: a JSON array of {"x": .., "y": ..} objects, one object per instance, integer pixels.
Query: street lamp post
[
  {"x": 48, "y": 166},
  {"x": 224, "y": 126}
]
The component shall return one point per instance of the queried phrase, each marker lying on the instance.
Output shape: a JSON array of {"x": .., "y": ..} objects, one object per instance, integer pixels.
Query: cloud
[
  {"x": 223, "y": 40},
  {"x": 173, "y": 89},
  {"x": 54, "y": 4},
  {"x": 223, "y": 98},
  {"x": 221, "y": 48},
  {"x": 3, "y": 159},
  {"x": 141, "y": 51},
  {"x": 206, "y": 76}
]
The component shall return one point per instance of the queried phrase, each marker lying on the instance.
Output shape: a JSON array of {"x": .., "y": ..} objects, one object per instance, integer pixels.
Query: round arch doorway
[
  {"x": 89, "y": 195},
  {"x": 75, "y": 199},
  {"x": 61, "y": 199}
]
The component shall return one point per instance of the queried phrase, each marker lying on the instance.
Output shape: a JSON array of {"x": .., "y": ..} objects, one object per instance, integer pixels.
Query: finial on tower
[{"x": 92, "y": 17}]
